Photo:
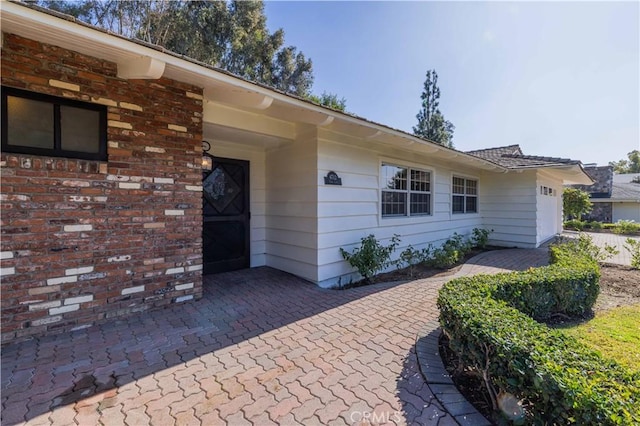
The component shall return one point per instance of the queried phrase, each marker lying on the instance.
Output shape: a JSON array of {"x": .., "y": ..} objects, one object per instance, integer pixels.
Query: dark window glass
[
  {"x": 405, "y": 191},
  {"x": 471, "y": 205},
  {"x": 420, "y": 204},
  {"x": 79, "y": 129},
  {"x": 465, "y": 195},
  {"x": 458, "y": 185},
  {"x": 458, "y": 203},
  {"x": 472, "y": 187},
  {"x": 30, "y": 123},
  {"x": 394, "y": 203},
  {"x": 420, "y": 180},
  {"x": 38, "y": 124}
]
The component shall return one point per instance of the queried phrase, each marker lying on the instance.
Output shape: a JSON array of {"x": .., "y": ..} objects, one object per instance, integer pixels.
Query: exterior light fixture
[{"x": 207, "y": 159}]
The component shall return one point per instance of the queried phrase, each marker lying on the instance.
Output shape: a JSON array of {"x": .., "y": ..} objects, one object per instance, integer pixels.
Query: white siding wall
[
  {"x": 626, "y": 211},
  {"x": 508, "y": 203},
  {"x": 349, "y": 212},
  {"x": 291, "y": 207},
  {"x": 256, "y": 158},
  {"x": 299, "y": 224},
  {"x": 549, "y": 220}
]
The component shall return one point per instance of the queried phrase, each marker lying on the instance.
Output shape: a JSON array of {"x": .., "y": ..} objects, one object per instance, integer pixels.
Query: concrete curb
[{"x": 439, "y": 380}]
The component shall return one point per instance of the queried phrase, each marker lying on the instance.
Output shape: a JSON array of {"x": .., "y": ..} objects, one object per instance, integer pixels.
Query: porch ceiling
[{"x": 218, "y": 133}]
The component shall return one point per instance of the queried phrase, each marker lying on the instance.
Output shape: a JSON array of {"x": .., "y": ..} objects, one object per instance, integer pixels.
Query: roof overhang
[
  {"x": 274, "y": 114},
  {"x": 571, "y": 174}
]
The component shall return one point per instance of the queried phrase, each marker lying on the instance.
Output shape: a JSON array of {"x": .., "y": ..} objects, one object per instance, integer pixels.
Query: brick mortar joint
[{"x": 164, "y": 91}]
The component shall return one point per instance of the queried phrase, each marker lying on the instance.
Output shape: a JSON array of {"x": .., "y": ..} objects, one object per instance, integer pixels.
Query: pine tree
[{"x": 431, "y": 123}]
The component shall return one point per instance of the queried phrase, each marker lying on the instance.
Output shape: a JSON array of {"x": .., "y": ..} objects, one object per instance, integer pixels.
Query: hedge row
[{"x": 489, "y": 320}]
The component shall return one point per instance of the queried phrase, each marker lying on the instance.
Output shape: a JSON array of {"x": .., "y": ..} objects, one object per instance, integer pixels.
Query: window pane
[
  {"x": 472, "y": 204},
  {"x": 79, "y": 129},
  {"x": 458, "y": 185},
  {"x": 394, "y": 203},
  {"x": 420, "y": 181},
  {"x": 393, "y": 177},
  {"x": 420, "y": 204},
  {"x": 29, "y": 123},
  {"x": 472, "y": 187},
  {"x": 458, "y": 204}
]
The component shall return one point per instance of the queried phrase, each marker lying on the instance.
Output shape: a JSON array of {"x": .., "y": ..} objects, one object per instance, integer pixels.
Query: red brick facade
[{"x": 85, "y": 240}]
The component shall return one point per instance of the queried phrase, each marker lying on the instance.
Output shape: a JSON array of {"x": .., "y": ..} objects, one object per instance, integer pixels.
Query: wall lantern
[{"x": 207, "y": 159}]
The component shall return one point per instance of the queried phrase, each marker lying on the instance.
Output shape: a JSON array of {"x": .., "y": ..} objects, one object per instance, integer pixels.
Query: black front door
[{"x": 225, "y": 231}]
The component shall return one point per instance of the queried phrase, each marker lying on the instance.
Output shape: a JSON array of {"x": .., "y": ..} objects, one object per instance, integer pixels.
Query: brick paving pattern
[
  {"x": 492, "y": 262},
  {"x": 262, "y": 347}
]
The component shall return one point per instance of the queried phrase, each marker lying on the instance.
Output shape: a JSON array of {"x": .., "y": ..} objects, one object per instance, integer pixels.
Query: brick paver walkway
[
  {"x": 491, "y": 262},
  {"x": 261, "y": 347}
]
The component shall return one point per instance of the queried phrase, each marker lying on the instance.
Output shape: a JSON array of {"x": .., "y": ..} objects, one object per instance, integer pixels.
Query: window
[
  {"x": 546, "y": 190},
  {"x": 465, "y": 195},
  {"x": 405, "y": 191},
  {"x": 39, "y": 124}
]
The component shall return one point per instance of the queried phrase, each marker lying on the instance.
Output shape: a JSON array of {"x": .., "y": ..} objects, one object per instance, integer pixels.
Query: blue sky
[{"x": 560, "y": 79}]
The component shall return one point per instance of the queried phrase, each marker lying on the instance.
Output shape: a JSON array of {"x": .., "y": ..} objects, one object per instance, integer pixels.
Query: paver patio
[{"x": 261, "y": 347}]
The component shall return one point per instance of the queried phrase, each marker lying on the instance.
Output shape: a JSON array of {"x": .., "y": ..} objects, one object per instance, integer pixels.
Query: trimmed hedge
[{"x": 489, "y": 321}]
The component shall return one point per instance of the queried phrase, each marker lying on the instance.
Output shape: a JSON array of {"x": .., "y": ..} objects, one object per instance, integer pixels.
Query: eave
[{"x": 278, "y": 114}]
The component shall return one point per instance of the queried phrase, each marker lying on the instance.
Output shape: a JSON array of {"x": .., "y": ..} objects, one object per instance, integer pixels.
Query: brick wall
[{"x": 83, "y": 241}]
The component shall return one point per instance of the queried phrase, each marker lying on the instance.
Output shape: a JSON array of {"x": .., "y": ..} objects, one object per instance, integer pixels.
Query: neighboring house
[
  {"x": 614, "y": 197},
  {"x": 109, "y": 205}
]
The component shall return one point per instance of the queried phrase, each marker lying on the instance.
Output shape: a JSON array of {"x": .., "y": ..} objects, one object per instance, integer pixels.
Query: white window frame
[
  {"x": 408, "y": 191},
  {"x": 548, "y": 191},
  {"x": 465, "y": 195}
]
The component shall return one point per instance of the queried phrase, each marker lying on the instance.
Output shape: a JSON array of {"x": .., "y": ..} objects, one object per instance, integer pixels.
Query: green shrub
[
  {"x": 596, "y": 226},
  {"x": 568, "y": 248},
  {"x": 575, "y": 224},
  {"x": 626, "y": 227},
  {"x": 545, "y": 292},
  {"x": 411, "y": 257},
  {"x": 480, "y": 237},
  {"x": 456, "y": 247},
  {"x": 633, "y": 247},
  {"x": 451, "y": 252},
  {"x": 559, "y": 381},
  {"x": 371, "y": 257}
]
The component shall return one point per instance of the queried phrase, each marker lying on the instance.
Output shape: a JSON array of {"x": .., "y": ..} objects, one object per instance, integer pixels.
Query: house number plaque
[{"x": 332, "y": 178}]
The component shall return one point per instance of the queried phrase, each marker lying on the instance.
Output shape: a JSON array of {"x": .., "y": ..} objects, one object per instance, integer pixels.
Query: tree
[
  {"x": 575, "y": 203},
  {"x": 431, "y": 123},
  {"x": 231, "y": 35},
  {"x": 330, "y": 100},
  {"x": 632, "y": 165}
]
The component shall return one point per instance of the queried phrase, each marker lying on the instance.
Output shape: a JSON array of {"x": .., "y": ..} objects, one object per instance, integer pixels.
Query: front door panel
[{"x": 225, "y": 231}]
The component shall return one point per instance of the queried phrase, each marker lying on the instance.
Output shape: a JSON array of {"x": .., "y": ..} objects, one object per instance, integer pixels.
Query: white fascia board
[{"x": 570, "y": 174}]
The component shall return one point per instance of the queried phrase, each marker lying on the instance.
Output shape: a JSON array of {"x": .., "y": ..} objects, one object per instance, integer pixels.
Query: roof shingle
[
  {"x": 512, "y": 157},
  {"x": 625, "y": 191}
]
